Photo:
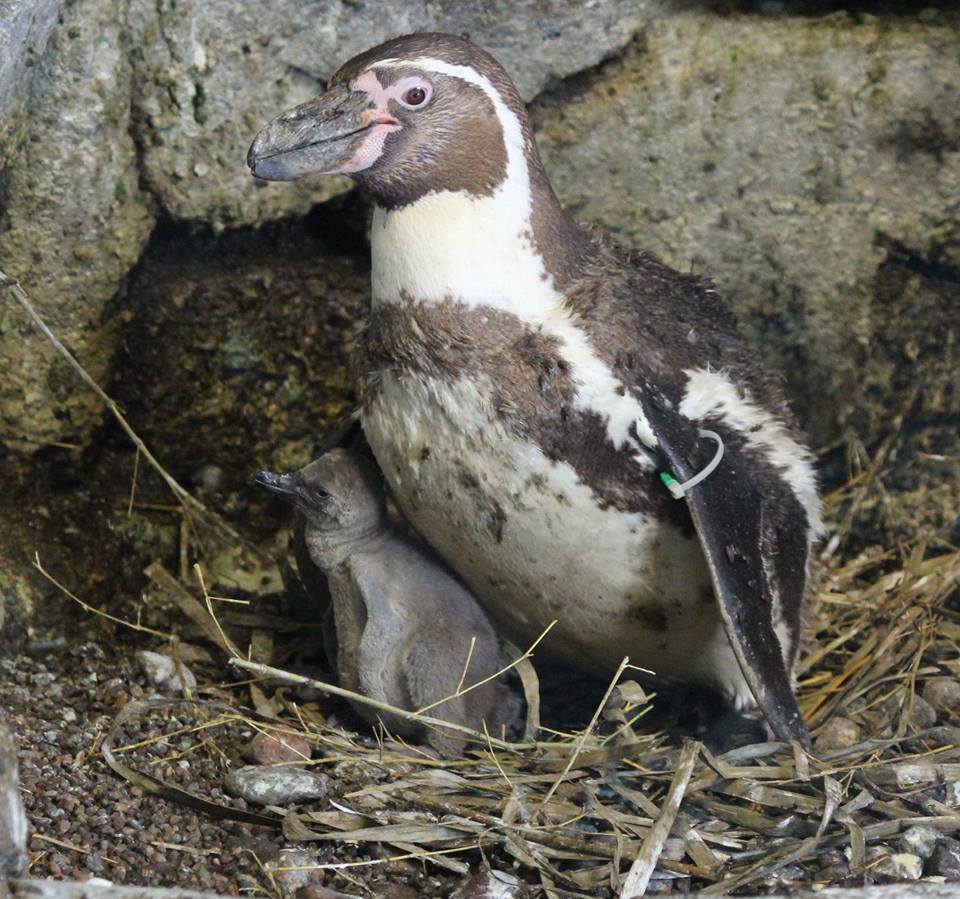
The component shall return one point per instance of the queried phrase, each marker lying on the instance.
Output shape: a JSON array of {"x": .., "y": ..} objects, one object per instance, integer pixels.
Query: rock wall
[{"x": 73, "y": 219}]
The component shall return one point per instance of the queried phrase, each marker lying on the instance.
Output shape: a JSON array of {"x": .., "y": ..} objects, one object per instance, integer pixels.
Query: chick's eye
[
  {"x": 415, "y": 96},
  {"x": 320, "y": 493}
]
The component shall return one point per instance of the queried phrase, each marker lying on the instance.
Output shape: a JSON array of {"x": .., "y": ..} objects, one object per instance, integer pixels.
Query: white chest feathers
[{"x": 453, "y": 247}]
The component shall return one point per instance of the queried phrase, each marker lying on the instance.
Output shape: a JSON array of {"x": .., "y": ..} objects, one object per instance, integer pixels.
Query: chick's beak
[
  {"x": 319, "y": 136},
  {"x": 284, "y": 485}
]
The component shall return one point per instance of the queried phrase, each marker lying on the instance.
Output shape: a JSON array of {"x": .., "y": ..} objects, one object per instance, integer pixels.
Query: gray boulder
[
  {"x": 265, "y": 785},
  {"x": 73, "y": 219}
]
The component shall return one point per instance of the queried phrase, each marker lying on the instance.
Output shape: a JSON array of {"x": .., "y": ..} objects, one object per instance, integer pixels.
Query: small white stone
[
  {"x": 163, "y": 672},
  {"x": 276, "y": 785},
  {"x": 952, "y": 794},
  {"x": 301, "y": 859},
  {"x": 902, "y": 866}
]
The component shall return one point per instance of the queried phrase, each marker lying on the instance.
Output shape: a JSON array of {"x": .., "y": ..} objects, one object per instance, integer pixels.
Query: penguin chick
[{"x": 404, "y": 624}]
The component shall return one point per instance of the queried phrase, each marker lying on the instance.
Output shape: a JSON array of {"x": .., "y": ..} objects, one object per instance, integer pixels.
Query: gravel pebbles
[{"x": 84, "y": 822}]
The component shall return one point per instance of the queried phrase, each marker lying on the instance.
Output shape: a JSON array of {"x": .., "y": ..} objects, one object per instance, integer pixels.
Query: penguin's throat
[
  {"x": 474, "y": 250},
  {"x": 329, "y": 546}
]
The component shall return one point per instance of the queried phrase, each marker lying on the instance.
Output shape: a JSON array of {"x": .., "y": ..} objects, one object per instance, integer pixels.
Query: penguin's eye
[
  {"x": 320, "y": 494},
  {"x": 415, "y": 97}
]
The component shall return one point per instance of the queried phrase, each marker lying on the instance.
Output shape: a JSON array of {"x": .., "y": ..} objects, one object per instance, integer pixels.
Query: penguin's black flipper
[{"x": 751, "y": 527}]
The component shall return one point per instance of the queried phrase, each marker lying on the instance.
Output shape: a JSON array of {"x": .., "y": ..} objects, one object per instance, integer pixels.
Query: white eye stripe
[{"x": 512, "y": 130}]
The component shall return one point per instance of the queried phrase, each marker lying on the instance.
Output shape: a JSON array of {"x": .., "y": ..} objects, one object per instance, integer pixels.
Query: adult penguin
[{"x": 578, "y": 429}]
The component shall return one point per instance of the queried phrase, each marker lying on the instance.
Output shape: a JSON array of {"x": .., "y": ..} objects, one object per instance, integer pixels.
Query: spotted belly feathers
[{"x": 535, "y": 543}]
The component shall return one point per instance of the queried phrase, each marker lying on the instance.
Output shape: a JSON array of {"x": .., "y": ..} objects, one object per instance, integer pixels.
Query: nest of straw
[{"x": 613, "y": 809}]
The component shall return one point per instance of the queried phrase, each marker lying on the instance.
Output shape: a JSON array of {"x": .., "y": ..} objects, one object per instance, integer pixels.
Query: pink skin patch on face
[
  {"x": 369, "y": 150},
  {"x": 380, "y": 95},
  {"x": 383, "y": 122}
]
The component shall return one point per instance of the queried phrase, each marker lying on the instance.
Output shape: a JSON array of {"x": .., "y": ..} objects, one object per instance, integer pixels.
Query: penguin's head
[
  {"x": 417, "y": 114},
  {"x": 340, "y": 491}
]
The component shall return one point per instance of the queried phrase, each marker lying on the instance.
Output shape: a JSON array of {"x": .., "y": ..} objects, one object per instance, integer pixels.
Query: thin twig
[
  {"x": 185, "y": 498},
  {"x": 87, "y": 607},
  {"x": 493, "y": 755},
  {"x": 336, "y": 866},
  {"x": 583, "y": 737},
  {"x": 466, "y": 665},
  {"x": 646, "y": 862},
  {"x": 63, "y": 844},
  {"x": 527, "y": 655},
  {"x": 291, "y": 678},
  {"x": 226, "y": 642},
  {"x": 133, "y": 482}
]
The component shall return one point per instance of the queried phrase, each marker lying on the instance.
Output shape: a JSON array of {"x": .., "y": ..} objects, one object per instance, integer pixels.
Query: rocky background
[{"x": 806, "y": 155}]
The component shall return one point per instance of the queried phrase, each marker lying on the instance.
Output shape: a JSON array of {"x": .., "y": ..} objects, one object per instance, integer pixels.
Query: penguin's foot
[
  {"x": 699, "y": 712},
  {"x": 734, "y": 729}
]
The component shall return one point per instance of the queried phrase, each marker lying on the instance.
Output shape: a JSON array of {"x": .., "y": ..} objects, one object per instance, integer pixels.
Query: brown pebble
[
  {"x": 358, "y": 772},
  {"x": 923, "y": 714},
  {"x": 398, "y": 867},
  {"x": 837, "y": 733},
  {"x": 834, "y": 873},
  {"x": 394, "y": 891},
  {"x": 277, "y": 749},
  {"x": 913, "y": 708},
  {"x": 943, "y": 693}
]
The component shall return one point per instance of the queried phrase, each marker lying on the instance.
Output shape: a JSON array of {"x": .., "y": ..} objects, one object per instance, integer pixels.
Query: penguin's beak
[
  {"x": 284, "y": 485},
  {"x": 317, "y": 137}
]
